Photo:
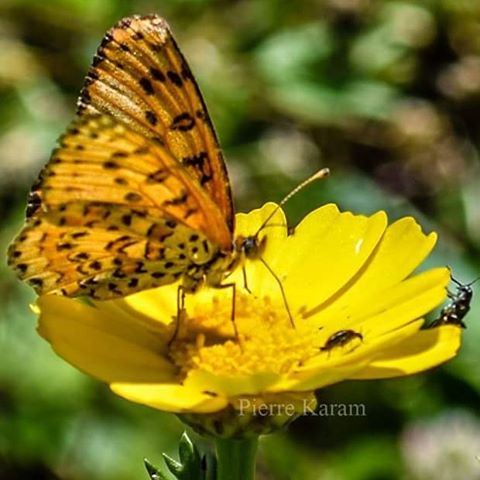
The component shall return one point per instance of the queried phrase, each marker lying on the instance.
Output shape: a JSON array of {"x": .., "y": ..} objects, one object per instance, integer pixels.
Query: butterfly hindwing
[{"x": 103, "y": 250}]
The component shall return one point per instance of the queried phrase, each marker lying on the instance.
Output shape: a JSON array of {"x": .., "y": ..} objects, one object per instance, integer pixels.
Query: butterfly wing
[
  {"x": 113, "y": 213},
  {"x": 137, "y": 193},
  {"x": 140, "y": 78}
]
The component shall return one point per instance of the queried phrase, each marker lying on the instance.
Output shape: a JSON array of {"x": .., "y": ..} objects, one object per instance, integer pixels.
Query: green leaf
[
  {"x": 191, "y": 465},
  {"x": 153, "y": 471},
  {"x": 187, "y": 451},
  {"x": 190, "y": 459},
  {"x": 175, "y": 467}
]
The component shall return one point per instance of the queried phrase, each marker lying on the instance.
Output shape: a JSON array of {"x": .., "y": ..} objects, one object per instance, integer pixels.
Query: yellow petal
[
  {"x": 111, "y": 348},
  {"x": 324, "y": 369},
  {"x": 426, "y": 349},
  {"x": 171, "y": 397},
  {"x": 327, "y": 249},
  {"x": 315, "y": 378},
  {"x": 158, "y": 304},
  {"x": 402, "y": 248},
  {"x": 233, "y": 385},
  {"x": 409, "y": 300}
]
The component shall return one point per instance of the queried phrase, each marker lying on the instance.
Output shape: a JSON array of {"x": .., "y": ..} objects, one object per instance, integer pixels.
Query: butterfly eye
[{"x": 250, "y": 246}]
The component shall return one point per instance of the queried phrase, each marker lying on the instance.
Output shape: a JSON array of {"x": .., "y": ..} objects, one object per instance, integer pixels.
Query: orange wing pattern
[
  {"x": 79, "y": 257},
  {"x": 137, "y": 194},
  {"x": 109, "y": 207},
  {"x": 140, "y": 77}
]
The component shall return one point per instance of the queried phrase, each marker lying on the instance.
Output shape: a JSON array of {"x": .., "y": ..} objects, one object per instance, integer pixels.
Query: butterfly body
[{"x": 137, "y": 194}]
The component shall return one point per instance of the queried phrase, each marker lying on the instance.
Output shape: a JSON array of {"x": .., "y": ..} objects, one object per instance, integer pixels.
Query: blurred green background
[{"x": 387, "y": 94}]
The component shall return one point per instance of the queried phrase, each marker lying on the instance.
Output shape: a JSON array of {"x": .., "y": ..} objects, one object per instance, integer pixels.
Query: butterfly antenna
[{"x": 322, "y": 173}]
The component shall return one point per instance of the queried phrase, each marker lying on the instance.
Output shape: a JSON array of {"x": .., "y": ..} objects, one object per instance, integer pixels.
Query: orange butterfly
[{"x": 137, "y": 193}]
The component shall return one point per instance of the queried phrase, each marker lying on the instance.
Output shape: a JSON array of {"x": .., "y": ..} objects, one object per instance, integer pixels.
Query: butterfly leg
[
  {"x": 282, "y": 290},
  {"x": 181, "y": 293},
  {"x": 245, "y": 280},
  {"x": 234, "y": 294}
]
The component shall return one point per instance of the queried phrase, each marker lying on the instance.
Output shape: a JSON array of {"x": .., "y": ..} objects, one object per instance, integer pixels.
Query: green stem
[{"x": 236, "y": 458}]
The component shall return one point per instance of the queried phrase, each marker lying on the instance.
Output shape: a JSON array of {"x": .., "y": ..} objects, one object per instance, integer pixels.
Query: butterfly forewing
[
  {"x": 102, "y": 161},
  {"x": 127, "y": 202},
  {"x": 140, "y": 77}
]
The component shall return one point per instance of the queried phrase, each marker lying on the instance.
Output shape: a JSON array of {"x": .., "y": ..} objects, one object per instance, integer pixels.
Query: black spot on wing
[
  {"x": 183, "y": 122},
  {"x": 151, "y": 117},
  {"x": 175, "y": 78},
  {"x": 157, "y": 74},
  {"x": 159, "y": 176},
  {"x": 133, "y": 197},
  {"x": 147, "y": 86}
]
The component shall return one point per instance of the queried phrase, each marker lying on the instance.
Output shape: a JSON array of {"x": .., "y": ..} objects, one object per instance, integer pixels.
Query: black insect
[
  {"x": 340, "y": 338},
  {"x": 454, "y": 312}
]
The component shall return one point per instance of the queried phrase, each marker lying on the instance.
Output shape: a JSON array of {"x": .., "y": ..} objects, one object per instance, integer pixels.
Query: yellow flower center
[{"x": 261, "y": 338}]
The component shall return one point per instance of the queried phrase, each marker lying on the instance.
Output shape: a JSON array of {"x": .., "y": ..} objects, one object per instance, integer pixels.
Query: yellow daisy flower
[{"x": 356, "y": 307}]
